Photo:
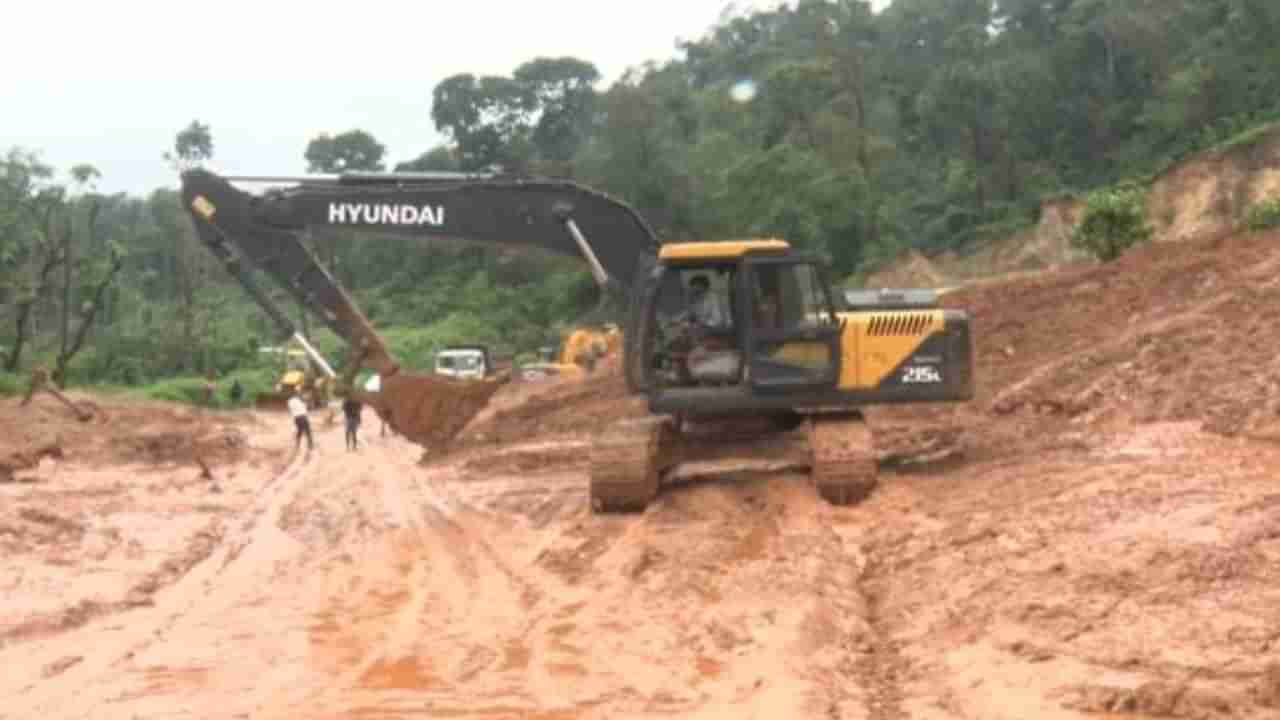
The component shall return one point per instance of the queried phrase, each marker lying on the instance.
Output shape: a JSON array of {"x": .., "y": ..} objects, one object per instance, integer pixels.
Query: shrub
[
  {"x": 11, "y": 384},
  {"x": 1114, "y": 220},
  {"x": 190, "y": 390},
  {"x": 1264, "y": 215}
]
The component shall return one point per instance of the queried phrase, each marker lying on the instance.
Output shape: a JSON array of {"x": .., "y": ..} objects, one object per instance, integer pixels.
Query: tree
[
  {"x": 354, "y": 150},
  {"x": 351, "y": 151},
  {"x": 439, "y": 158},
  {"x": 187, "y": 271},
  {"x": 563, "y": 91},
  {"x": 540, "y": 116},
  {"x": 192, "y": 147},
  {"x": 487, "y": 119},
  {"x": 106, "y": 272},
  {"x": 29, "y": 247}
]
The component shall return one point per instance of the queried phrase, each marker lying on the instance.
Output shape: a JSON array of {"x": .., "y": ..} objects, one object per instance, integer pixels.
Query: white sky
[{"x": 112, "y": 83}]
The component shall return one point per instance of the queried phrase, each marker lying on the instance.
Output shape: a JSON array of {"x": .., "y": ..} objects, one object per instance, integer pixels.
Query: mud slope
[{"x": 1169, "y": 332}]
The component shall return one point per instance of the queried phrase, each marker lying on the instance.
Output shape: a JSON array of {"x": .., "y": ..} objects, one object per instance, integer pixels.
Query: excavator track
[
  {"x": 844, "y": 459},
  {"x": 627, "y": 463}
]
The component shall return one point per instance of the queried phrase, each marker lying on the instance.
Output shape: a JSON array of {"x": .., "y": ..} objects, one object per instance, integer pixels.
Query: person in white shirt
[
  {"x": 705, "y": 305},
  {"x": 298, "y": 409}
]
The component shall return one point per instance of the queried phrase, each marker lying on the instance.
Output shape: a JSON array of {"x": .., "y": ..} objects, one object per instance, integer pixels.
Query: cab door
[{"x": 792, "y": 332}]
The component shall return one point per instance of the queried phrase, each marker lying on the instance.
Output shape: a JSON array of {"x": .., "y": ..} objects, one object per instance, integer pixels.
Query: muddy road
[{"x": 1130, "y": 578}]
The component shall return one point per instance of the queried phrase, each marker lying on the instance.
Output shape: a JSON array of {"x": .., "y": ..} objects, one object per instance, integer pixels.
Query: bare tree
[{"x": 28, "y": 221}]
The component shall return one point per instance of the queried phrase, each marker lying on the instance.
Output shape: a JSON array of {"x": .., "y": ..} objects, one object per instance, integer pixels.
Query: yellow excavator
[
  {"x": 734, "y": 343},
  {"x": 298, "y": 376},
  {"x": 587, "y": 346},
  {"x": 577, "y": 354}
]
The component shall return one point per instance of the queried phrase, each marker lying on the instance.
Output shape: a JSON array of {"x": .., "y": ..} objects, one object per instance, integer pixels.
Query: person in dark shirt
[{"x": 351, "y": 411}]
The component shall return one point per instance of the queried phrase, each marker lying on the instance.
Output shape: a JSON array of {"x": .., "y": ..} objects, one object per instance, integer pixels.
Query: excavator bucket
[{"x": 430, "y": 410}]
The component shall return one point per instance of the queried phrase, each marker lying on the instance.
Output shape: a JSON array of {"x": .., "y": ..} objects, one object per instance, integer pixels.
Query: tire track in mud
[
  {"x": 196, "y": 562},
  {"x": 404, "y": 617},
  {"x": 871, "y": 661},
  {"x": 588, "y": 610},
  {"x": 278, "y": 490},
  {"x": 882, "y": 667},
  {"x": 203, "y": 543},
  {"x": 139, "y": 595}
]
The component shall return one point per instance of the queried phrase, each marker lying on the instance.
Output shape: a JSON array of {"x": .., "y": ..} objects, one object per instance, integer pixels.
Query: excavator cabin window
[
  {"x": 695, "y": 316},
  {"x": 705, "y": 338},
  {"x": 794, "y": 333},
  {"x": 790, "y": 297}
]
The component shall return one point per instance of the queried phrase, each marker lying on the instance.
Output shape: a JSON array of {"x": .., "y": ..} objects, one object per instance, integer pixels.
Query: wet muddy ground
[{"x": 1097, "y": 535}]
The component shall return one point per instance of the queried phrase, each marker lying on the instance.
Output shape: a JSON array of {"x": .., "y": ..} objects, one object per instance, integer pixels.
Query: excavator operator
[
  {"x": 712, "y": 358},
  {"x": 705, "y": 306}
]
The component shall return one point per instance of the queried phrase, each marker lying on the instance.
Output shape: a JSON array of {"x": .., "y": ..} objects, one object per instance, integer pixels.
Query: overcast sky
[{"x": 111, "y": 83}]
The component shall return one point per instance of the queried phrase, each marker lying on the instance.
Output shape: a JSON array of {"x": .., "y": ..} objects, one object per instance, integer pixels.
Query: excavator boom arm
[
  {"x": 227, "y": 224},
  {"x": 264, "y": 232},
  {"x": 556, "y": 215}
]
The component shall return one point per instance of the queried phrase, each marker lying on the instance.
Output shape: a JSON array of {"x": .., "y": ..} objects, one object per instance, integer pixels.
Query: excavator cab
[{"x": 725, "y": 321}]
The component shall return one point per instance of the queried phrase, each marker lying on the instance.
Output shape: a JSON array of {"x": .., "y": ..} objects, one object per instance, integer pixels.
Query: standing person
[
  {"x": 351, "y": 409},
  {"x": 298, "y": 409},
  {"x": 210, "y": 386}
]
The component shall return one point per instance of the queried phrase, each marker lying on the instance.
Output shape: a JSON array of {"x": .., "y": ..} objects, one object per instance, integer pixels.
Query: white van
[{"x": 469, "y": 362}]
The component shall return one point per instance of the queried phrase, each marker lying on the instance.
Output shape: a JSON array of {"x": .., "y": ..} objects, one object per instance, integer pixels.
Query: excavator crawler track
[
  {"x": 627, "y": 463},
  {"x": 844, "y": 460}
]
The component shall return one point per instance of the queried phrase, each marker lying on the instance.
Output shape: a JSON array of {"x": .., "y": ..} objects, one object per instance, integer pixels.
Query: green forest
[{"x": 933, "y": 124}]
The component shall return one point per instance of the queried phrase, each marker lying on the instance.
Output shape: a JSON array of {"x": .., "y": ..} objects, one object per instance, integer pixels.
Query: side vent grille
[{"x": 900, "y": 324}]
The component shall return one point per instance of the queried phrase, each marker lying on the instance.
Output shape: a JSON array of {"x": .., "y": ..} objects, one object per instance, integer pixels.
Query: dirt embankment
[
  {"x": 119, "y": 430},
  {"x": 1169, "y": 332},
  {"x": 1208, "y": 195},
  {"x": 1203, "y": 197}
]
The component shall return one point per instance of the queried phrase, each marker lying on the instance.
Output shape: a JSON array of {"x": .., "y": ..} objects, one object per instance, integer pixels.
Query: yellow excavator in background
[
  {"x": 586, "y": 346},
  {"x": 577, "y": 354},
  {"x": 299, "y": 375}
]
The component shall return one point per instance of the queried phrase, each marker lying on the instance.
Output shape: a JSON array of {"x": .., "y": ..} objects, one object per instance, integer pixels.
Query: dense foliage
[{"x": 932, "y": 124}]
